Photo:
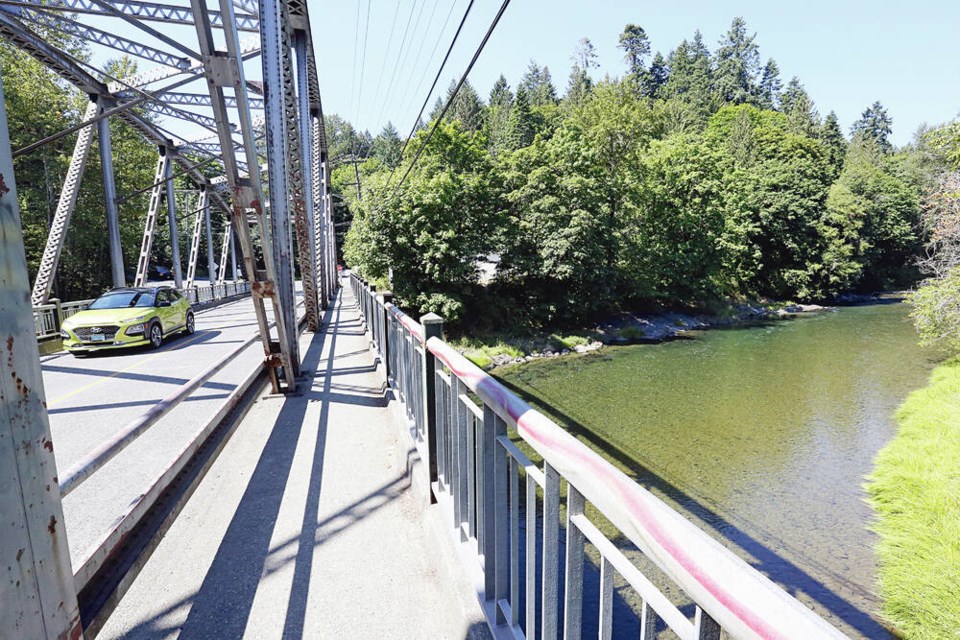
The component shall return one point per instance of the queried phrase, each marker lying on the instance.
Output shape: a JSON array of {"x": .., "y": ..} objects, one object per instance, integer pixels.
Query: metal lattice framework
[{"x": 193, "y": 97}]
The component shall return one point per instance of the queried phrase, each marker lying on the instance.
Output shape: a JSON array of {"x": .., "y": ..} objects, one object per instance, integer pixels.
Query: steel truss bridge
[{"x": 227, "y": 92}]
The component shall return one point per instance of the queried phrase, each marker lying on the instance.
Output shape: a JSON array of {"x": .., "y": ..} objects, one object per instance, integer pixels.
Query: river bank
[
  {"x": 505, "y": 349},
  {"x": 914, "y": 489}
]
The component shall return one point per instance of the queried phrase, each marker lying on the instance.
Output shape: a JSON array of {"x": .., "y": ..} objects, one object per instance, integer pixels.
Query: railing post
[
  {"x": 387, "y": 299},
  {"x": 432, "y": 328},
  {"x": 372, "y": 321},
  {"x": 57, "y": 313}
]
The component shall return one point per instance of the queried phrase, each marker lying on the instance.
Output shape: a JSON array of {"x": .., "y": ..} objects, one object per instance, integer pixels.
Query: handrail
[
  {"x": 734, "y": 594},
  {"x": 470, "y": 462}
]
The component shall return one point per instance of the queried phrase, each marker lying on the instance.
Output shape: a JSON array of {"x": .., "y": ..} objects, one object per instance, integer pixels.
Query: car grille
[{"x": 85, "y": 333}]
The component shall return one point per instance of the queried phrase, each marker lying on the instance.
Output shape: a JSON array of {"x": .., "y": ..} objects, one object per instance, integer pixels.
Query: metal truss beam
[
  {"x": 156, "y": 195},
  {"x": 65, "y": 206},
  {"x": 203, "y": 100},
  {"x": 195, "y": 238},
  {"x": 148, "y": 11},
  {"x": 96, "y": 36},
  {"x": 224, "y": 249}
]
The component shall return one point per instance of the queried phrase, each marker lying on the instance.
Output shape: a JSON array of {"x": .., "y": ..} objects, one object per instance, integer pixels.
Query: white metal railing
[
  {"x": 47, "y": 318},
  {"x": 460, "y": 418}
]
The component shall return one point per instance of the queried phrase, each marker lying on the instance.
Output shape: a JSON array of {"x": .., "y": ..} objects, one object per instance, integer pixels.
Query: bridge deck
[{"x": 306, "y": 525}]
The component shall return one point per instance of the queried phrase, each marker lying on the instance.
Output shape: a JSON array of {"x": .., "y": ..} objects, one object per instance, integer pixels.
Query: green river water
[{"x": 761, "y": 435}]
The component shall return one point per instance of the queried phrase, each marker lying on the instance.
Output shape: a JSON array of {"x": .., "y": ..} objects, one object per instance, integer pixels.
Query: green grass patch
[
  {"x": 915, "y": 490},
  {"x": 632, "y": 332},
  {"x": 568, "y": 342}
]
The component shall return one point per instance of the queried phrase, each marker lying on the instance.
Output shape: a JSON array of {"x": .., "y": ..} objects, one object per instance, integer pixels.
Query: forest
[{"x": 698, "y": 177}]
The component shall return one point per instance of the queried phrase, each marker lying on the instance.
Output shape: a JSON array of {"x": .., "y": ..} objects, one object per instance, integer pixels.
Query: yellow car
[{"x": 126, "y": 318}]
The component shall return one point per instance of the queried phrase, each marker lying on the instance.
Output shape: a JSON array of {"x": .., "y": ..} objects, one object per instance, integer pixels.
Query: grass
[{"x": 915, "y": 490}]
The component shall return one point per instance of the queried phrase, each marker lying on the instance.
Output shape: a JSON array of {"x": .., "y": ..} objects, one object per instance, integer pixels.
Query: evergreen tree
[
  {"x": 738, "y": 63},
  {"x": 500, "y": 95},
  {"x": 657, "y": 77},
  {"x": 636, "y": 47},
  {"x": 538, "y": 85},
  {"x": 801, "y": 113},
  {"x": 584, "y": 58},
  {"x": 770, "y": 85},
  {"x": 834, "y": 144},
  {"x": 437, "y": 108},
  {"x": 466, "y": 107},
  {"x": 386, "y": 146},
  {"x": 521, "y": 127},
  {"x": 876, "y": 124},
  {"x": 691, "y": 77},
  {"x": 497, "y": 120}
]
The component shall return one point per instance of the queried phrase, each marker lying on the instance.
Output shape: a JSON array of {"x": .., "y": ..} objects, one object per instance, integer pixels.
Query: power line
[
  {"x": 416, "y": 58},
  {"x": 423, "y": 76},
  {"x": 436, "y": 79},
  {"x": 363, "y": 63},
  {"x": 396, "y": 63},
  {"x": 463, "y": 78},
  {"x": 386, "y": 53}
]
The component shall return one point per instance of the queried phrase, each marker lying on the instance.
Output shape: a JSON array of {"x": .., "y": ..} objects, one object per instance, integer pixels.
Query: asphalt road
[{"x": 89, "y": 399}]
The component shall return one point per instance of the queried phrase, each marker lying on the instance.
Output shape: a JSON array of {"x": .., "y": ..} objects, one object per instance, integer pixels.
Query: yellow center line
[{"x": 85, "y": 387}]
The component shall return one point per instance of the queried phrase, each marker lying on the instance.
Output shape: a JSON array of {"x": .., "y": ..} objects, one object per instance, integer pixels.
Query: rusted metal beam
[{"x": 37, "y": 594}]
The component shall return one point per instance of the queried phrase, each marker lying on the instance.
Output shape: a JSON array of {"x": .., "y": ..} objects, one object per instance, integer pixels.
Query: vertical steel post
[
  {"x": 305, "y": 227},
  {"x": 38, "y": 598},
  {"x": 233, "y": 256},
  {"x": 110, "y": 198},
  {"x": 224, "y": 251},
  {"x": 153, "y": 209},
  {"x": 211, "y": 268},
  {"x": 172, "y": 223},
  {"x": 274, "y": 57},
  {"x": 432, "y": 328},
  {"x": 318, "y": 211}
]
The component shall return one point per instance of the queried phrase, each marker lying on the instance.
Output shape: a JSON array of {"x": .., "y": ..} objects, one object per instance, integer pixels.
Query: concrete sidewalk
[{"x": 306, "y": 525}]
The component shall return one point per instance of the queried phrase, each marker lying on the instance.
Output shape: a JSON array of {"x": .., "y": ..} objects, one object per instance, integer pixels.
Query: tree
[
  {"x": 875, "y": 124},
  {"x": 795, "y": 102},
  {"x": 881, "y": 212},
  {"x": 636, "y": 47},
  {"x": 434, "y": 231},
  {"x": 500, "y": 94},
  {"x": 691, "y": 77},
  {"x": 657, "y": 77},
  {"x": 834, "y": 144},
  {"x": 738, "y": 62},
  {"x": 538, "y": 85},
  {"x": 769, "y": 88},
  {"x": 520, "y": 127},
  {"x": 497, "y": 118},
  {"x": 386, "y": 146},
  {"x": 466, "y": 106},
  {"x": 584, "y": 58}
]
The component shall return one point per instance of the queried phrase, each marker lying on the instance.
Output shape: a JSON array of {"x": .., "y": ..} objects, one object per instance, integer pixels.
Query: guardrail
[
  {"x": 47, "y": 318},
  {"x": 460, "y": 420}
]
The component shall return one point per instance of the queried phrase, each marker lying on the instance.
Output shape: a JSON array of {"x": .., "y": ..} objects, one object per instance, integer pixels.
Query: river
[{"x": 762, "y": 436}]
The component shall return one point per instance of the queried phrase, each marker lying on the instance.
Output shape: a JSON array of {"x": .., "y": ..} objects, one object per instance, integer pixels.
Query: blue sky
[{"x": 847, "y": 54}]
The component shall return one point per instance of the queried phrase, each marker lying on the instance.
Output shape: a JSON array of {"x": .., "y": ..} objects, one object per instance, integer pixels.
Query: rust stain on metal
[
  {"x": 263, "y": 289},
  {"x": 19, "y": 555},
  {"x": 48, "y": 445},
  {"x": 52, "y": 527},
  {"x": 4, "y": 189}
]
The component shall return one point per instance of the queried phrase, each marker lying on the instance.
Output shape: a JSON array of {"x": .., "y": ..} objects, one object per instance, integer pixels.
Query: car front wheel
[
  {"x": 155, "y": 336},
  {"x": 191, "y": 324}
]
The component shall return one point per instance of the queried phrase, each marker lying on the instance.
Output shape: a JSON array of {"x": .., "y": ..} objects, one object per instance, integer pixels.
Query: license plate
[{"x": 97, "y": 337}]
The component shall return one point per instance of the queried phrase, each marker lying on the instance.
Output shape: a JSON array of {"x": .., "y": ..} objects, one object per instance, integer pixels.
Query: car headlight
[
  {"x": 135, "y": 329},
  {"x": 64, "y": 334}
]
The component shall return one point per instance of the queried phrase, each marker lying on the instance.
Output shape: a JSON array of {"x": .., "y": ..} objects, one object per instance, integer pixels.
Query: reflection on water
[{"x": 761, "y": 435}]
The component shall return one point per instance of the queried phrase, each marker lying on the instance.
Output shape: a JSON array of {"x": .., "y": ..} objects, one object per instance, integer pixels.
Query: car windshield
[{"x": 123, "y": 300}]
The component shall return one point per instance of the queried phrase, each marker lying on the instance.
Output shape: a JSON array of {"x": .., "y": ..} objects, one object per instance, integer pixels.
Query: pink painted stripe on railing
[
  {"x": 412, "y": 325},
  {"x": 744, "y": 602}
]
